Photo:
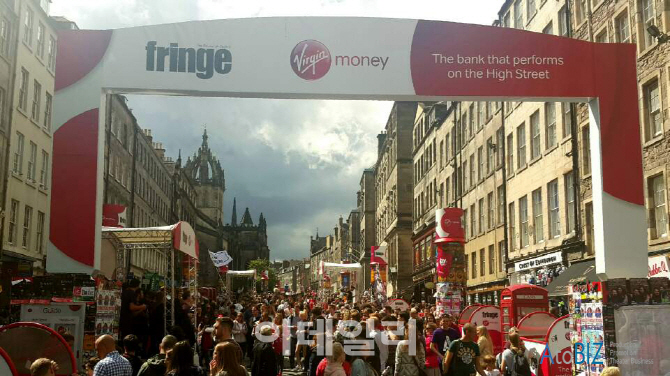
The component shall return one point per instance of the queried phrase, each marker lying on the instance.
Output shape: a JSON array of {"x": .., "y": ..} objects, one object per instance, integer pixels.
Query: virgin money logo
[{"x": 310, "y": 60}]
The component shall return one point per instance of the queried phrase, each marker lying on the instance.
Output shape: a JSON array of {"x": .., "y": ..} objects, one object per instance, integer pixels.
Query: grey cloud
[{"x": 296, "y": 189}]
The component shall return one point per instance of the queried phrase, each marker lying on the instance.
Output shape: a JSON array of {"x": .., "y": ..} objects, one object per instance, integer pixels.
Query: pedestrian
[
  {"x": 433, "y": 357},
  {"x": 484, "y": 342},
  {"x": 611, "y": 371},
  {"x": 264, "y": 359},
  {"x": 225, "y": 362},
  {"x": 240, "y": 332},
  {"x": 179, "y": 361},
  {"x": 130, "y": 308},
  {"x": 90, "y": 365},
  {"x": 514, "y": 361},
  {"x": 462, "y": 359},
  {"x": 334, "y": 367},
  {"x": 407, "y": 364},
  {"x": 223, "y": 332},
  {"x": 43, "y": 367},
  {"x": 181, "y": 316},
  {"x": 111, "y": 363},
  {"x": 441, "y": 339},
  {"x": 277, "y": 345},
  {"x": 155, "y": 366},
  {"x": 130, "y": 348}
]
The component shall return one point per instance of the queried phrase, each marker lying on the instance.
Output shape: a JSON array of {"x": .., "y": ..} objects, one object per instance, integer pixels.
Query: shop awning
[
  {"x": 241, "y": 273},
  {"x": 576, "y": 273}
]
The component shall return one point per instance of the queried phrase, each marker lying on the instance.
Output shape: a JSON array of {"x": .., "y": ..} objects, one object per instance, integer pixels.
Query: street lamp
[{"x": 656, "y": 33}]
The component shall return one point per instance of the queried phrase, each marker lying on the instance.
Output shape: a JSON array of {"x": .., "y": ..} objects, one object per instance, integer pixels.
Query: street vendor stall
[
  {"x": 232, "y": 274},
  {"x": 153, "y": 249},
  {"x": 349, "y": 270}
]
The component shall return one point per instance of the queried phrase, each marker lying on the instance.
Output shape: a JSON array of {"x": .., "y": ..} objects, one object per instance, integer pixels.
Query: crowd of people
[{"x": 330, "y": 336}]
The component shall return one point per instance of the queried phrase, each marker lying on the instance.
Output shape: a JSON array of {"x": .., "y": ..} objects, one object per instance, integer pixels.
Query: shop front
[
  {"x": 539, "y": 270},
  {"x": 424, "y": 276},
  {"x": 485, "y": 293}
]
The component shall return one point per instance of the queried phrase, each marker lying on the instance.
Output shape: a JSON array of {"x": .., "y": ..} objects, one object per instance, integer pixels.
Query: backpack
[{"x": 521, "y": 365}]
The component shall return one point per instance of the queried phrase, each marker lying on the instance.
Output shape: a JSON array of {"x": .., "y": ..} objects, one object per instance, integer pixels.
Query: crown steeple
[{"x": 246, "y": 218}]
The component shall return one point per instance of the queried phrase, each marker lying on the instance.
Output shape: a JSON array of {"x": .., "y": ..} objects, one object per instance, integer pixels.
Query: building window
[
  {"x": 471, "y": 122},
  {"x": 586, "y": 151},
  {"x": 27, "y": 219},
  {"x": 602, "y": 36},
  {"x": 492, "y": 259},
  {"x": 18, "y": 154},
  {"x": 622, "y": 28},
  {"x": 13, "y": 218},
  {"x": 580, "y": 11},
  {"x": 652, "y": 109},
  {"x": 659, "y": 214},
  {"x": 47, "y": 111},
  {"x": 538, "y": 224},
  {"x": 465, "y": 177},
  {"x": 482, "y": 214},
  {"x": 569, "y": 202},
  {"x": 40, "y": 232},
  {"x": 37, "y": 99},
  {"x": 466, "y": 228},
  {"x": 510, "y": 153},
  {"x": 481, "y": 116},
  {"x": 521, "y": 146},
  {"x": 500, "y": 142},
  {"x": 590, "y": 232},
  {"x": 646, "y": 8},
  {"x": 40, "y": 40},
  {"x": 51, "y": 58},
  {"x": 482, "y": 262},
  {"x": 506, "y": 20},
  {"x": 567, "y": 119},
  {"x": 549, "y": 29},
  {"x": 501, "y": 255},
  {"x": 473, "y": 177},
  {"x": 535, "y": 135},
  {"x": 554, "y": 215},
  {"x": 512, "y": 225},
  {"x": 5, "y": 30},
  {"x": 518, "y": 15},
  {"x": 32, "y": 159},
  {"x": 474, "y": 265},
  {"x": 489, "y": 155},
  {"x": 28, "y": 27},
  {"x": 550, "y": 121},
  {"x": 491, "y": 207},
  {"x": 530, "y": 8},
  {"x": 23, "y": 89},
  {"x": 501, "y": 205},
  {"x": 563, "y": 22},
  {"x": 480, "y": 158},
  {"x": 473, "y": 221},
  {"x": 523, "y": 218}
]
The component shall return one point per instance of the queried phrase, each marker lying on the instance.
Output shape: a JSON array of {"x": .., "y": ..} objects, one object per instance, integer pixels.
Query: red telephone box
[{"x": 519, "y": 300}]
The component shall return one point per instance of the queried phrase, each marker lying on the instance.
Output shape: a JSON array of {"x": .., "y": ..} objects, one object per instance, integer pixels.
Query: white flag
[{"x": 220, "y": 258}]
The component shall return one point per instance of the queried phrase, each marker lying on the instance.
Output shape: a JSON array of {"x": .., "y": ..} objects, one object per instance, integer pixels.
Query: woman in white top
[{"x": 240, "y": 330}]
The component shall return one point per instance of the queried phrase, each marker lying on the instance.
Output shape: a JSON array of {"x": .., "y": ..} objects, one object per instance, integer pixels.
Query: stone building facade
[
  {"x": 29, "y": 48},
  {"x": 427, "y": 191},
  {"x": 367, "y": 225},
  {"x": 608, "y": 21},
  {"x": 394, "y": 191}
]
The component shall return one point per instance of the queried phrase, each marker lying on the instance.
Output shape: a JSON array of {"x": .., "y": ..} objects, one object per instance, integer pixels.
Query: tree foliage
[{"x": 261, "y": 265}]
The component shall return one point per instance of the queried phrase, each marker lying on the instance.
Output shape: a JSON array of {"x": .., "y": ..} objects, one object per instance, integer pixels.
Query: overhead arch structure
[{"x": 344, "y": 58}]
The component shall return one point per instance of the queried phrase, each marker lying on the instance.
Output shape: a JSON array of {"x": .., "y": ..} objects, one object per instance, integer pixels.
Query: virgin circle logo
[{"x": 310, "y": 60}]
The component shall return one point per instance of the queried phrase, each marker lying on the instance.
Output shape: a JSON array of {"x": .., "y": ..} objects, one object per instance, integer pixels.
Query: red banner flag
[{"x": 444, "y": 260}]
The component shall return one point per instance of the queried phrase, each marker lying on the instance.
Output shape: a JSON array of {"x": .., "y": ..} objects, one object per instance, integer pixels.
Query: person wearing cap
[{"x": 264, "y": 360}]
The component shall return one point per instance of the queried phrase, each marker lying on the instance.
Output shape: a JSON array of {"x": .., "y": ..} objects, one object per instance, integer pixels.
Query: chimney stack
[{"x": 381, "y": 138}]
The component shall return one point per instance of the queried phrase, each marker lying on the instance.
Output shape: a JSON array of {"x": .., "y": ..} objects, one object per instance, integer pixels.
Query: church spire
[
  {"x": 233, "y": 222},
  {"x": 246, "y": 218},
  {"x": 204, "y": 139}
]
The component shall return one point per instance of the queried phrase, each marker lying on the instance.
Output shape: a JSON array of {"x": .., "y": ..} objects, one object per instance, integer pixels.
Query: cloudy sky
[{"x": 299, "y": 162}]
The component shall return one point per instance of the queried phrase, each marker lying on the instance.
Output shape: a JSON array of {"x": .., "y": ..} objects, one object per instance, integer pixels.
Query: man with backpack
[{"x": 462, "y": 359}]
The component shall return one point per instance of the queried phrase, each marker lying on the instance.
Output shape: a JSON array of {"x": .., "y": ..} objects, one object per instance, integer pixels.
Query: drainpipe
[{"x": 574, "y": 128}]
